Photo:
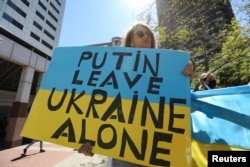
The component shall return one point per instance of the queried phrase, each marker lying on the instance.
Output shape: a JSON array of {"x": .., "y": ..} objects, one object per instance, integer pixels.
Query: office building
[
  {"x": 115, "y": 41},
  {"x": 206, "y": 18},
  {"x": 29, "y": 32}
]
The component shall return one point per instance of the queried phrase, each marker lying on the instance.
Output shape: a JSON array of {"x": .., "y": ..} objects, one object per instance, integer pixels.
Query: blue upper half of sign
[{"x": 149, "y": 73}]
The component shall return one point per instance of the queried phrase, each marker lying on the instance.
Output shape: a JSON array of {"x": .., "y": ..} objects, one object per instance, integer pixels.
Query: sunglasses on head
[{"x": 141, "y": 34}]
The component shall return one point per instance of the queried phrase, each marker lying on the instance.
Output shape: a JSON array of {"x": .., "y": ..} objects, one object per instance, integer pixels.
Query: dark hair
[{"x": 129, "y": 35}]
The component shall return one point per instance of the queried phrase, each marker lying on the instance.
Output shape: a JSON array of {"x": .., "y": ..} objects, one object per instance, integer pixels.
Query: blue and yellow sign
[{"x": 132, "y": 104}]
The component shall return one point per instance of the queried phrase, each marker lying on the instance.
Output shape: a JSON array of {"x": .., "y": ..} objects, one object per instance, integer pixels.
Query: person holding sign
[{"x": 138, "y": 36}]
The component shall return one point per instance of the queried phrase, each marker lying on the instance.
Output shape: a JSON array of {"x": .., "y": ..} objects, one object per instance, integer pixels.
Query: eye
[{"x": 140, "y": 34}]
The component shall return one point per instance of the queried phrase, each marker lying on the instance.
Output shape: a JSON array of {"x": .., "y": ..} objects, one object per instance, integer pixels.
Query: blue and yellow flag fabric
[
  {"x": 220, "y": 120},
  {"x": 131, "y": 104}
]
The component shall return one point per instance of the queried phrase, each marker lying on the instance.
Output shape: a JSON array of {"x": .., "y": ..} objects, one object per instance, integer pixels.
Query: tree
[
  {"x": 233, "y": 67},
  {"x": 220, "y": 46},
  {"x": 192, "y": 26}
]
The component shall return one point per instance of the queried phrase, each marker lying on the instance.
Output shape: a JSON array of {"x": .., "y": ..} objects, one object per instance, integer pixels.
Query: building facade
[
  {"x": 29, "y": 32},
  {"x": 204, "y": 17},
  {"x": 115, "y": 41}
]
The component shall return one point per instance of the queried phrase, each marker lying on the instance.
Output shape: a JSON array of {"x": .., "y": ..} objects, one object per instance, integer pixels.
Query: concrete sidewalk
[{"x": 55, "y": 156}]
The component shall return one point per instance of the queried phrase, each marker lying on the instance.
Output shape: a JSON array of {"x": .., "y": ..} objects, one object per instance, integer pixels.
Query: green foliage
[
  {"x": 162, "y": 34},
  {"x": 225, "y": 52},
  {"x": 233, "y": 65}
]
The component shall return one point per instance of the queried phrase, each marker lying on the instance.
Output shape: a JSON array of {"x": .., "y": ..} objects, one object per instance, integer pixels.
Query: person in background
[
  {"x": 139, "y": 36},
  {"x": 31, "y": 143},
  {"x": 208, "y": 81}
]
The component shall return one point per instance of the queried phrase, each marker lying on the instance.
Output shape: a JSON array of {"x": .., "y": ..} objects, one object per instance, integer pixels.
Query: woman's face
[{"x": 141, "y": 38}]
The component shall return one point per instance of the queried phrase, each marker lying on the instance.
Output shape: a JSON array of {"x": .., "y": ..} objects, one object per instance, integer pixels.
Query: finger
[
  {"x": 88, "y": 148},
  {"x": 80, "y": 149}
]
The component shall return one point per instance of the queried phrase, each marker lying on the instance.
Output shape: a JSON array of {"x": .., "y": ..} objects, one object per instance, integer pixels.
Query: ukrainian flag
[{"x": 220, "y": 120}]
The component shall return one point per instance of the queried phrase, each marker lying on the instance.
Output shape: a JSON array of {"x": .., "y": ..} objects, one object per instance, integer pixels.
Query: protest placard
[{"x": 132, "y": 104}]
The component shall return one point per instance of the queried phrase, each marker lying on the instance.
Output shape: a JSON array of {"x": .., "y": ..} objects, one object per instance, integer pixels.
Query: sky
[{"x": 89, "y": 22}]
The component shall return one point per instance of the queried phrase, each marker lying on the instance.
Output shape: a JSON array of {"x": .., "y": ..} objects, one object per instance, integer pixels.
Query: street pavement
[{"x": 54, "y": 156}]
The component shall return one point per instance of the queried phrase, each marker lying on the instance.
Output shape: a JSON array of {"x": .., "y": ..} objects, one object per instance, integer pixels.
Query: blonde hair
[
  {"x": 203, "y": 76},
  {"x": 128, "y": 37}
]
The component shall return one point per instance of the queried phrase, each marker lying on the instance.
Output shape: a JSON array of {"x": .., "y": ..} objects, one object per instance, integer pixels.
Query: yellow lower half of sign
[{"x": 136, "y": 131}]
